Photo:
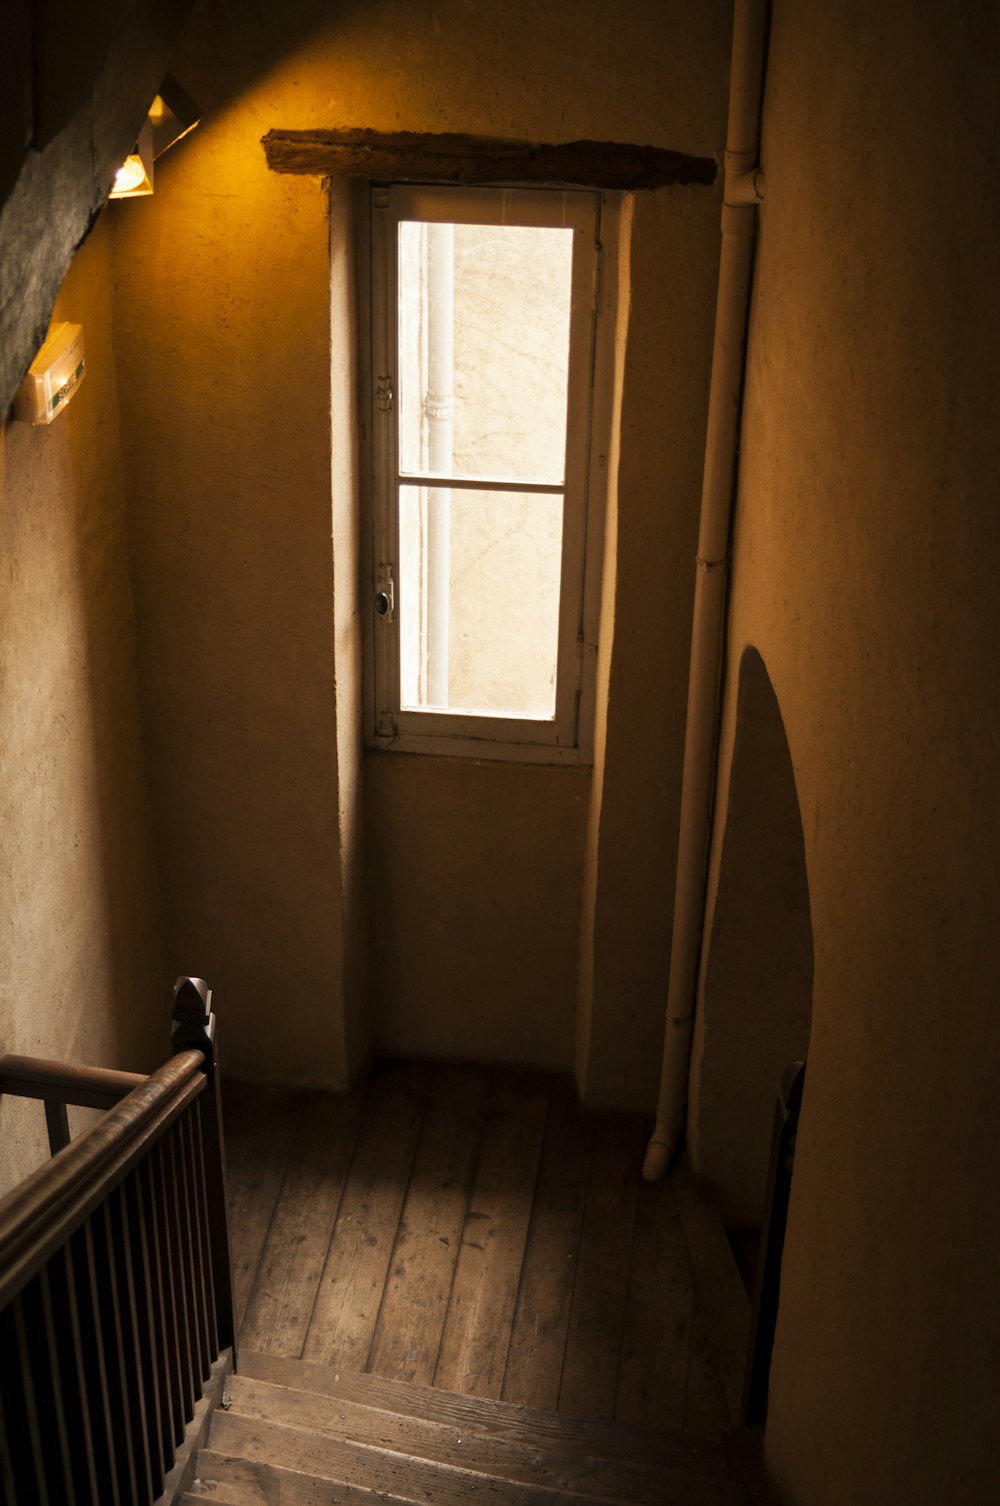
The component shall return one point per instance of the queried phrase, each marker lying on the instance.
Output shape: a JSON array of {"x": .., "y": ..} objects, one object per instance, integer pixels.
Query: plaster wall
[
  {"x": 222, "y": 292},
  {"x": 866, "y": 558},
  {"x": 474, "y": 884},
  {"x": 80, "y": 948},
  {"x": 223, "y": 337}
]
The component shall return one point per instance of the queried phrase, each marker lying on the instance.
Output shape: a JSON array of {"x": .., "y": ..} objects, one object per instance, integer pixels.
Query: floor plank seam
[
  {"x": 628, "y": 1283},
  {"x": 431, "y": 1078},
  {"x": 576, "y": 1272},
  {"x": 340, "y": 1201},
  {"x": 473, "y": 1173},
  {"x": 470, "y": 1183},
  {"x": 527, "y": 1237},
  {"x": 270, "y": 1222}
]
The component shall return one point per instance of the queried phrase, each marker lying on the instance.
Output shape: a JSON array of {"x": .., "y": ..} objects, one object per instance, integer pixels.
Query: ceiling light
[
  {"x": 171, "y": 115},
  {"x": 135, "y": 176}
]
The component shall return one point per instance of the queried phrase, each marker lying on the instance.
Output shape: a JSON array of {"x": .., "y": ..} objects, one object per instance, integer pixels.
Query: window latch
[
  {"x": 385, "y": 593},
  {"x": 383, "y": 393}
]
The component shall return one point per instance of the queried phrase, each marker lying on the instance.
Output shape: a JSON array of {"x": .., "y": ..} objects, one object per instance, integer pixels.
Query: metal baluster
[
  {"x": 188, "y": 1344},
  {"x": 94, "y": 1344},
  {"x": 79, "y": 1407},
  {"x": 37, "y": 1442},
  {"x": 120, "y": 1401},
  {"x": 147, "y": 1353}
]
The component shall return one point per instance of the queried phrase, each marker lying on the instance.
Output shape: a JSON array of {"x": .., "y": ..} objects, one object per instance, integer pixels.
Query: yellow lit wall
[
  {"x": 80, "y": 948},
  {"x": 476, "y": 876}
]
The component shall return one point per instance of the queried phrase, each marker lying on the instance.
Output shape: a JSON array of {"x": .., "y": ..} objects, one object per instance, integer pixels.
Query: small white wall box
[{"x": 53, "y": 376}]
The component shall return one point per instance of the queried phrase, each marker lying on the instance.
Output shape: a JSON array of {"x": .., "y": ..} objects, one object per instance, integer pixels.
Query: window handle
[{"x": 385, "y": 595}]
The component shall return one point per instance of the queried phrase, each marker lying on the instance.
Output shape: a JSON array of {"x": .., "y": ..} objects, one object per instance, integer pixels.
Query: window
[{"x": 483, "y": 317}]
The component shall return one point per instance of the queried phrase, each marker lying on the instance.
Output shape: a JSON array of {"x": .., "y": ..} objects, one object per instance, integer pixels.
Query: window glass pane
[
  {"x": 478, "y": 600},
  {"x": 483, "y": 329}
]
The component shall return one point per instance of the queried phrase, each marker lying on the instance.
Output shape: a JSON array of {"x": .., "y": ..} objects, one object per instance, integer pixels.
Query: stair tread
[
  {"x": 530, "y": 1426},
  {"x": 229, "y": 1481},
  {"x": 414, "y": 1478},
  {"x": 498, "y": 1453}
]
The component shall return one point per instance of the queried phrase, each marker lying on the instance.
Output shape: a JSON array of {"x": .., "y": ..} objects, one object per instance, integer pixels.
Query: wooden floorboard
[
  {"x": 541, "y": 1319},
  {"x": 357, "y": 1263},
  {"x": 477, "y": 1328},
  {"x": 652, "y": 1370},
  {"x": 291, "y": 1267},
  {"x": 259, "y": 1128},
  {"x": 722, "y": 1294},
  {"x": 422, "y": 1268},
  {"x": 705, "y": 1410},
  {"x": 593, "y": 1341},
  {"x": 473, "y": 1230}
]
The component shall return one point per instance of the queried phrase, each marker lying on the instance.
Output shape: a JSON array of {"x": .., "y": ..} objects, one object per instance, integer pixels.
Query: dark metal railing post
[
  {"x": 779, "y": 1188},
  {"x": 194, "y": 1029}
]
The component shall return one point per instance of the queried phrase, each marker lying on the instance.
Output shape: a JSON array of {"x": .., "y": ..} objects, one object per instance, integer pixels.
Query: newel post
[{"x": 194, "y": 1030}]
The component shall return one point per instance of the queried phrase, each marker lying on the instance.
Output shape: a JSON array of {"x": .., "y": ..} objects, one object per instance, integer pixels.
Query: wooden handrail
[
  {"x": 40, "y": 1214},
  {"x": 66, "y": 1082},
  {"x": 116, "y": 1301}
]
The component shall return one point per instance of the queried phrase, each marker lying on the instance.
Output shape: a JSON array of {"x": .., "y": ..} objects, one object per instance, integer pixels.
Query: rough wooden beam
[
  {"x": 85, "y": 94},
  {"x": 406, "y": 157}
]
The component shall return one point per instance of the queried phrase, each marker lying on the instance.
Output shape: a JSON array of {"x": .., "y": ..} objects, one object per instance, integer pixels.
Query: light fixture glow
[
  {"x": 129, "y": 176},
  {"x": 135, "y": 176},
  {"x": 169, "y": 119}
]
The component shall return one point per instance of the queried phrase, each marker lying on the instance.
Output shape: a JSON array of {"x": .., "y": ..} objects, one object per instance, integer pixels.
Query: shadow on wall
[{"x": 756, "y": 1004}]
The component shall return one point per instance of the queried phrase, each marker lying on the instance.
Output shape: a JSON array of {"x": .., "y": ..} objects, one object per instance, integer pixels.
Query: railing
[{"x": 115, "y": 1277}]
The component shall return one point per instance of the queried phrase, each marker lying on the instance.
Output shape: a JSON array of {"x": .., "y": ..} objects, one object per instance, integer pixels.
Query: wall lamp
[{"x": 171, "y": 115}]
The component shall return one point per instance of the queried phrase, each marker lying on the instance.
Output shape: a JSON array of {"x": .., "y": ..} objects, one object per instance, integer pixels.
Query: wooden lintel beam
[{"x": 409, "y": 157}]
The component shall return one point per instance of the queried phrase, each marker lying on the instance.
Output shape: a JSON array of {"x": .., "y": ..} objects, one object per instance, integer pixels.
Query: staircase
[{"x": 290, "y": 1433}]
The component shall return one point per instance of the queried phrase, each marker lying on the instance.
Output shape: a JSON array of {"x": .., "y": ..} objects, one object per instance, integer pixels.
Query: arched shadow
[{"x": 757, "y": 981}]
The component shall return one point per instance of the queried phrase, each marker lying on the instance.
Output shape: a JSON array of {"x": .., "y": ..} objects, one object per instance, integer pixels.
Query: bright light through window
[{"x": 483, "y": 313}]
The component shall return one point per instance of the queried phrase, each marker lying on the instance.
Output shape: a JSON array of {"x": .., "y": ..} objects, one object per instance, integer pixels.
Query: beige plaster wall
[
  {"x": 83, "y": 973},
  {"x": 866, "y": 563},
  {"x": 223, "y": 338},
  {"x": 223, "y": 342},
  {"x": 474, "y": 890}
]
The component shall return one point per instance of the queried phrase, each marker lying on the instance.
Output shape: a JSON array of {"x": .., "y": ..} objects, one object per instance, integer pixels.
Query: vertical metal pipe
[
  {"x": 439, "y": 410},
  {"x": 743, "y": 187}
]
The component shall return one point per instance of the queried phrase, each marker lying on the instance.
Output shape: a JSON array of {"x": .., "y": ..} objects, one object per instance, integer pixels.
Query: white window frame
[{"x": 568, "y": 736}]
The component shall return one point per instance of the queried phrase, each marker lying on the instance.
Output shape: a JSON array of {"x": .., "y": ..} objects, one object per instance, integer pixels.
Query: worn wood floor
[{"x": 468, "y": 1229}]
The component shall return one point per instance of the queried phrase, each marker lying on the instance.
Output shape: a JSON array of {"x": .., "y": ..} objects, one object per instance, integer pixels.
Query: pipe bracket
[{"x": 743, "y": 189}]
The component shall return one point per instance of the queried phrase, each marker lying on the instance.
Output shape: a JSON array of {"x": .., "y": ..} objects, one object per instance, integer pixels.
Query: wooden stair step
[
  {"x": 498, "y": 1454},
  {"x": 513, "y": 1423},
  {"x": 231, "y": 1481},
  {"x": 226, "y": 1480},
  {"x": 413, "y": 1478}
]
